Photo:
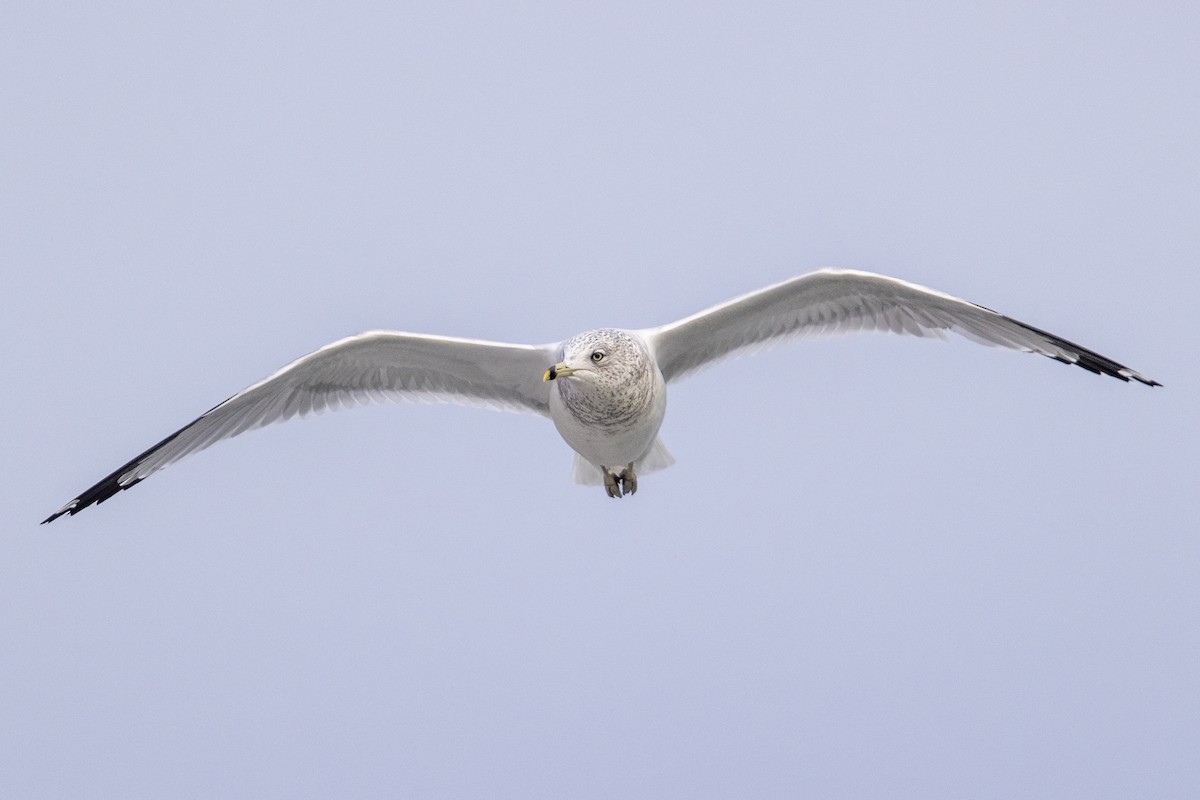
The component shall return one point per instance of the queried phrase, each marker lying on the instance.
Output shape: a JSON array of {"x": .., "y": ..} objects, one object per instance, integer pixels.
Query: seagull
[{"x": 605, "y": 389}]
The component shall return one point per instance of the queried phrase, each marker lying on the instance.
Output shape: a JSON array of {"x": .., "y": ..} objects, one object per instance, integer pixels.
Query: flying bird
[{"x": 605, "y": 389}]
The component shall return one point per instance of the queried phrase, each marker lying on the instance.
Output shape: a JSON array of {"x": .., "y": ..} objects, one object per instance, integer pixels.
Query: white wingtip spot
[{"x": 68, "y": 507}]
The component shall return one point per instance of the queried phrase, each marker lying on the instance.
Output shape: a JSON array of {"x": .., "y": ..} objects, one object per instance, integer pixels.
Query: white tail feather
[{"x": 657, "y": 457}]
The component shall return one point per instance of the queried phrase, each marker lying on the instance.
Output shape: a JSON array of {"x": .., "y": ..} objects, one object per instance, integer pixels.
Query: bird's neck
[{"x": 621, "y": 398}]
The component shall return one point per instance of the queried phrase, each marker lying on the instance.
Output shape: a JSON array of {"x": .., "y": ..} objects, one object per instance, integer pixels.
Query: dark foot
[{"x": 620, "y": 482}]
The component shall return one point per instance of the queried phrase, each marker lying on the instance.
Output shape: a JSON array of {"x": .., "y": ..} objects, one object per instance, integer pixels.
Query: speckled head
[{"x": 602, "y": 357}]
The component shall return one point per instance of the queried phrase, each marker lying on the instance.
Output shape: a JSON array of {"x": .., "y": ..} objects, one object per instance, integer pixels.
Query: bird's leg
[
  {"x": 629, "y": 479},
  {"x": 612, "y": 483},
  {"x": 620, "y": 482}
]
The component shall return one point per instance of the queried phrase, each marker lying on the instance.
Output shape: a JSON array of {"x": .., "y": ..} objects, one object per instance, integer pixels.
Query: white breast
[{"x": 606, "y": 442}]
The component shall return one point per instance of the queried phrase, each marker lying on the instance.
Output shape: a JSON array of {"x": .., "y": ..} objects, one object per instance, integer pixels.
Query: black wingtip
[
  {"x": 95, "y": 495},
  {"x": 70, "y": 508},
  {"x": 1088, "y": 359},
  {"x": 111, "y": 484}
]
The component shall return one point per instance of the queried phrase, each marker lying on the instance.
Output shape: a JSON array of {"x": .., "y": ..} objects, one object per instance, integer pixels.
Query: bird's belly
[{"x": 609, "y": 442}]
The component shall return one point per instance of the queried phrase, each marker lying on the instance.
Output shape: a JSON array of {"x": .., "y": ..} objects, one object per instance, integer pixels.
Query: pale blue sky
[{"x": 880, "y": 568}]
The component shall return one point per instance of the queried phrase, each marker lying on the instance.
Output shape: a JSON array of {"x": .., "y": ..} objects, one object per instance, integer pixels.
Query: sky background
[{"x": 882, "y": 567}]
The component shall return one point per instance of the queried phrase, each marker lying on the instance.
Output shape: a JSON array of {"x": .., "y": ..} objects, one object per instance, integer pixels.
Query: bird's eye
[{"x": 598, "y": 356}]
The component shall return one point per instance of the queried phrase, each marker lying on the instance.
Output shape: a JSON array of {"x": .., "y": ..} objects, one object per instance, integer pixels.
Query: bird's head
[{"x": 596, "y": 356}]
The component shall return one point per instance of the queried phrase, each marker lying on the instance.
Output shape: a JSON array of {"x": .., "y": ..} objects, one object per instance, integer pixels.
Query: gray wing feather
[
  {"x": 837, "y": 301},
  {"x": 374, "y": 367}
]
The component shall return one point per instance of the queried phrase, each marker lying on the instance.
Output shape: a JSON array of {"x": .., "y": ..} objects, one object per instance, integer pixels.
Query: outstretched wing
[
  {"x": 373, "y": 367},
  {"x": 838, "y": 301}
]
